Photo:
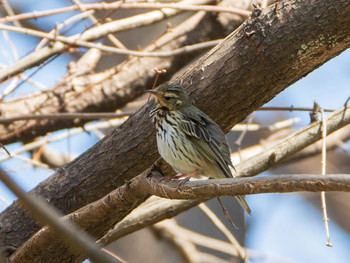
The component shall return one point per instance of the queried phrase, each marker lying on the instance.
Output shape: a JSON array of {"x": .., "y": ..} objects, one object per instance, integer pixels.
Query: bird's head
[{"x": 170, "y": 96}]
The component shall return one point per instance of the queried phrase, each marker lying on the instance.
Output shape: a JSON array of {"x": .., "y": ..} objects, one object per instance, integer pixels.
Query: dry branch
[
  {"x": 271, "y": 43},
  {"x": 124, "y": 5},
  {"x": 245, "y": 186}
]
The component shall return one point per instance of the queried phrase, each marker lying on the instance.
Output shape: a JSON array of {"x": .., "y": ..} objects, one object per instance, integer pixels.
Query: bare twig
[
  {"x": 67, "y": 116},
  {"x": 323, "y": 162},
  {"x": 10, "y": 12},
  {"x": 33, "y": 162},
  {"x": 334, "y": 141},
  {"x": 186, "y": 248},
  {"x": 273, "y": 127},
  {"x": 238, "y": 142},
  {"x": 82, "y": 43},
  {"x": 3, "y": 147},
  {"x": 87, "y": 128},
  {"x": 65, "y": 23},
  {"x": 289, "y": 109},
  {"x": 223, "y": 229},
  {"x": 125, "y": 5},
  {"x": 111, "y": 37}
]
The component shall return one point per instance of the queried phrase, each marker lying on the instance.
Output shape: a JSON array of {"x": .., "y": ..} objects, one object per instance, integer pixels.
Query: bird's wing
[{"x": 197, "y": 129}]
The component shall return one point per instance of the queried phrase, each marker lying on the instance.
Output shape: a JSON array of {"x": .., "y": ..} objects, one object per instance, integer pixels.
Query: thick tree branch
[
  {"x": 245, "y": 186},
  {"x": 268, "y": 44}
]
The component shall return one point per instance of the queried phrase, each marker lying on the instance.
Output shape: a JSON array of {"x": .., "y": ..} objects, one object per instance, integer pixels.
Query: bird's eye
[{"x": 167, "y": 98}]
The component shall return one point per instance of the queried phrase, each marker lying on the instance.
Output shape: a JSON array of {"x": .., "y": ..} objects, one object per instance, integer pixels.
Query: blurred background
[{"x": 282, "y": 227}]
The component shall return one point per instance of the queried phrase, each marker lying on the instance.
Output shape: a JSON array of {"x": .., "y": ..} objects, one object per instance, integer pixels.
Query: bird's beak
[{"x": 152, "y": 91}]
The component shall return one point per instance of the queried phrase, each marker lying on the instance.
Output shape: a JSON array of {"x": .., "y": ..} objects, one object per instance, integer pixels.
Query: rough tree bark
[{"x": 270, "y": 51}]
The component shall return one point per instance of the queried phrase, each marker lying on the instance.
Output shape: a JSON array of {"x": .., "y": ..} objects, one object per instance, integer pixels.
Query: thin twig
[
  {"x": 33, "y": 162},
  {"x": 87, "y": 128},
  {"x": 3, "y": 147},
  {"x": 111, "y": 37},
  {"x": 273, "y": 127},
  {"x": 82, "y": 43},
  {"x": 59, "y": 27},
  {"x": 226, "y": 214},
  {"x": 9, "y": 10},
  {"x": 292, "y": 108},
  {"x": 223, "y": 229},
  {"x": 13, "y": 85},
  {"x": 238, "y": 142},
  {"x": 120, "y": 5},
  {"x": 66, "y": 116},
  {"x": 323, "y": 194},
  {"x": 185, "y": 246}
]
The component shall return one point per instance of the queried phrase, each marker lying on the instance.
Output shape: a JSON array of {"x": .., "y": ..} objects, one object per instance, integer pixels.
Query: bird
[{"x": 189, "y": 140}]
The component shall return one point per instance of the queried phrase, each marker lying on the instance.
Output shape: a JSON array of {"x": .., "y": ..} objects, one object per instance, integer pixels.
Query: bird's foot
[
  {"x": 182, "y": 182},
  {"x": 186, "y": 179}
]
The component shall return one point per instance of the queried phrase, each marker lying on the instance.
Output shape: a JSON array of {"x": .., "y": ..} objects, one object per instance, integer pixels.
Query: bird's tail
[{"x": 241, "y": 200}]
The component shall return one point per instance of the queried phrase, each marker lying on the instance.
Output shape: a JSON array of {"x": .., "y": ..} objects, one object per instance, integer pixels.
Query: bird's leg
[
  {"x": 179, "y": 176},
  {"x": 169, "y": 177},
  {"x": 187, "y": 178}
]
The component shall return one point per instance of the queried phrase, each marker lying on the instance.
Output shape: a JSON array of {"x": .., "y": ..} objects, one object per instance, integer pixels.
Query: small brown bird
[{"x": 187, "y": 139}]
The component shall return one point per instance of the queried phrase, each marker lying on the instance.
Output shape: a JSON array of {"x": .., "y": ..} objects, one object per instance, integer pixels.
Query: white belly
[{"x": 176, "y": 150}]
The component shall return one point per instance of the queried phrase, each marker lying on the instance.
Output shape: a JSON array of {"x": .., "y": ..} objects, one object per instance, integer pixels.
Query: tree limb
[{"x": 244, "y": 186}]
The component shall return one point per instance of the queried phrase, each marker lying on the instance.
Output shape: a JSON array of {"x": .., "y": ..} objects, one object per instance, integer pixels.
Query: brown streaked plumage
[{"x": 188, "y": 139}]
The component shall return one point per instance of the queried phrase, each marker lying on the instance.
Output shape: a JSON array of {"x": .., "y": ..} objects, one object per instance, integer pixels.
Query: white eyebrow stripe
[{"x": 171, "y": 95}]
